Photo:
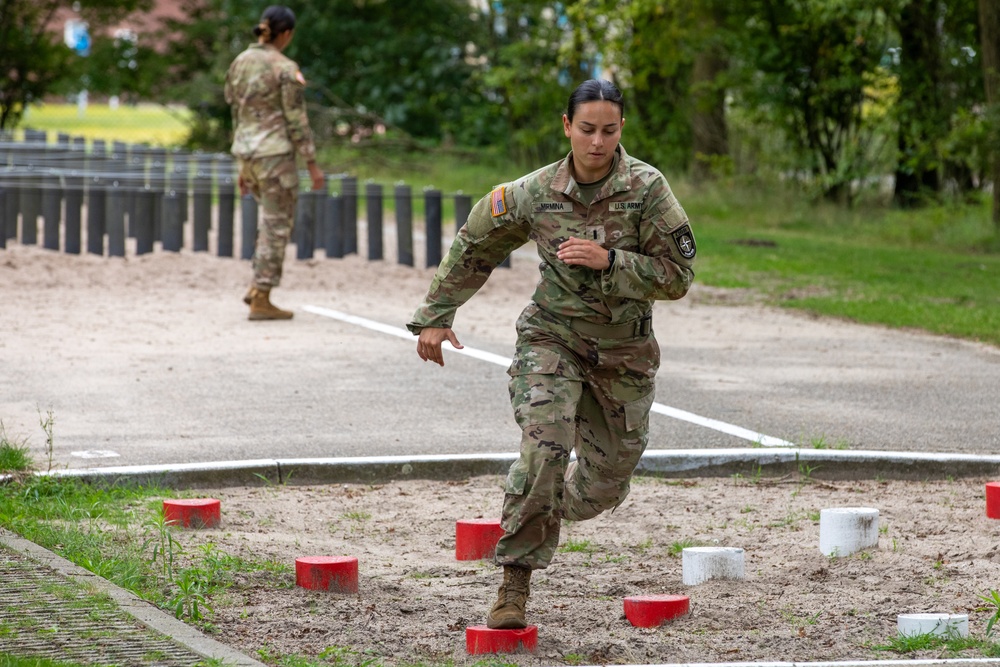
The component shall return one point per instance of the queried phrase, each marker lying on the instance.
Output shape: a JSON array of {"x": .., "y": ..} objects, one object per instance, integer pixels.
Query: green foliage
[
  {"x": 33, "y": 58},
  {"x": 804, "y": 66},
  {"x": 993, "y": 598},
  {"x": 677, "y": 547},
  {"x": 14, "y": 455}
]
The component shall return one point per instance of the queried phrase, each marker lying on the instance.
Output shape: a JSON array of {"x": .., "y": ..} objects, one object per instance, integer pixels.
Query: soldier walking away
[
  {"x": 612, "y": 239},
  {"x": 265, "y": 91}
]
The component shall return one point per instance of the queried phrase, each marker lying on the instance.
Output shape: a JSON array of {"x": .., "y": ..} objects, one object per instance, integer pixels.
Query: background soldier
[
  {"x": 265, "y": 90},
  {"x": 612, "y": 238}
]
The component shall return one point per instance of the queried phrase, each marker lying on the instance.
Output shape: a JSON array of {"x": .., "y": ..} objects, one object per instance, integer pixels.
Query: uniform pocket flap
[
  {"x": 535, "y": 361},
  {"x": 637, "y": 411}
]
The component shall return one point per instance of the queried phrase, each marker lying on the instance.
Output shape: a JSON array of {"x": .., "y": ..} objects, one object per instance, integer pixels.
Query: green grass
[
  {"x": 14, "y": 456},
  {"x": 153, "y": 124},
  {"x": 873, "y": 265}
]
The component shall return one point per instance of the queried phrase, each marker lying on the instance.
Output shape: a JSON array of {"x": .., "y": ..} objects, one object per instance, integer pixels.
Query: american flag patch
[{"x": 496, "y": 202}]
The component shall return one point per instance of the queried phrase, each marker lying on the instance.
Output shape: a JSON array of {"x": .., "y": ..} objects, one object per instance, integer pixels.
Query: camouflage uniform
[
  {"x": 583, "y": 369},
  {"x": 266, "y": 93}
]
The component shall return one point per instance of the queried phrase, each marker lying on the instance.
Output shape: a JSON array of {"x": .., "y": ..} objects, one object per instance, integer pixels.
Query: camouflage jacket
[
  {"x": 635, "y": 213},
  {"x": 265, "y": 91}
]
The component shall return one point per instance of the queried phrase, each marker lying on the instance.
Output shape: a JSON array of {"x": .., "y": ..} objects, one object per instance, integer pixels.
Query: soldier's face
[{"x": 594, "y": 135}]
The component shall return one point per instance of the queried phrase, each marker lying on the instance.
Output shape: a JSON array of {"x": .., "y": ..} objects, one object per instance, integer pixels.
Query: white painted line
[
  {"x": 723, "y": 427},
  {"x": 96, "y": 454},
  {"x": 682, "y": 415}
]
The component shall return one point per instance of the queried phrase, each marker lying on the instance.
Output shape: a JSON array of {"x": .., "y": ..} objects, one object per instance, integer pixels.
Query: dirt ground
[{"x": 937, "y": 551}]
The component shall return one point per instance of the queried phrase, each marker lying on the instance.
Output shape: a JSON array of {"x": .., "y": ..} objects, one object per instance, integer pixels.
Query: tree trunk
[
  {"x": 919, "y": 106},
  {"x": 708, "y": 118},
  {"x": 709, "y": 135},
  {"x": 989, "y": 37}
]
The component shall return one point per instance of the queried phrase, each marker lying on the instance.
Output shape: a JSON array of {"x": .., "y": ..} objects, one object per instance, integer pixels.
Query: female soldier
[
  {"x": 612, "y": 238},
  {"x": 265, "y": 91}
]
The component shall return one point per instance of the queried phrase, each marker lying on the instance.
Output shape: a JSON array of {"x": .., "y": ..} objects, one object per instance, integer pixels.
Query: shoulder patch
[
  {"x": 685, "y": 241},
  {"x": 497, "y": 205}
]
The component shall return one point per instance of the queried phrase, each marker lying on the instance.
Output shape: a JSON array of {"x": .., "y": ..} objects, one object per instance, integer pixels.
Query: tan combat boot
[
  {"x": 261, "y": 307},
  {"x": 508, "y": 611},
  {"x": 248, "y": 297}
]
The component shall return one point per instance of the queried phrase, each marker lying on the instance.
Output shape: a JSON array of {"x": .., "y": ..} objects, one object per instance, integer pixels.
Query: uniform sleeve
[
  {"x": 493, "y": 231},
  {"x": 663, "y": 269},
  {"x": 230, "y": 95},
  {"x": 293, "y": 106}
]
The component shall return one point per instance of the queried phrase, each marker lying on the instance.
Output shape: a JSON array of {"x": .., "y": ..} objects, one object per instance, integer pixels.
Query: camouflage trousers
[
  {"x": 571, "y": 393},
  {"x": 274, "y": 183}
]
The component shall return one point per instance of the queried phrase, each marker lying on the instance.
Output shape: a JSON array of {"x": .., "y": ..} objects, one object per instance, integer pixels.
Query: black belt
[{"x": 634, "y": 329}]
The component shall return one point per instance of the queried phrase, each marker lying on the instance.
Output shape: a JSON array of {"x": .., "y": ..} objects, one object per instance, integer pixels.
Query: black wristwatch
[{"x": 611, "y": 258}]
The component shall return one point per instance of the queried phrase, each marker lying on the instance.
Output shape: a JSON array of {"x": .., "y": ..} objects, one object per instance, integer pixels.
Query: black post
[
  {"x": 74, "y": 217},
  {"x": 333, "y": 241},
  {"x": 305, "y": 226},
  {"x": 3, "y": 218},
  {"x": 51, "y": 211},
  {"x": 202, "y": 213},
  {"x": 173, "y": 232},
  {"x": 373, "y": 205},
  {"x": 248, "y": 216},
  {"x": 157, "y": 185},
  {"x": 463, "y": 206},
  {"x": 137, "y": 182},
  {"x": 96, "y": 208},
  {"x": 349, "y": 190},
  {"x": 432, "y": 216},
  {"x": 31, "y": 204},
  {"x": 11, "y": 208},
  {"x": 145, "y": 217},
  {"x": 227, "y": 206},
  {"x": 115, "y": 220},
  {"x": 404, "y": 224}
]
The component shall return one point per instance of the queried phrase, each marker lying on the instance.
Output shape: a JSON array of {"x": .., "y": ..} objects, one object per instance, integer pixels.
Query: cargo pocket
[
  {"x": 517, "y": 479},
  {"x": 531, "y": 389},
  {"x": 637, "y": 413},
  {"x": 289, "y": 181}
]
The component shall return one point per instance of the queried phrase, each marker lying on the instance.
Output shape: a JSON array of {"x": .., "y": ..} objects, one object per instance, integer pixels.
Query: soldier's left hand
[
  {"x": 317, "y": 176},
  {"x": 583, "y": 252}
]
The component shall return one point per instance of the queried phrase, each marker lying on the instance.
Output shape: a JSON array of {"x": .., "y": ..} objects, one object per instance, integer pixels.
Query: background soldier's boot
[
  {"x": 508, "y": 611},
  {"x": 261, "y": 307},
  {"x": 248, "y": 297}
]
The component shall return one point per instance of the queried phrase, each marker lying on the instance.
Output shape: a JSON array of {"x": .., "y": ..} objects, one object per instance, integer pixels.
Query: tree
[
  {"x": 805, "y": 67},
  {"x": 416, "y": 75},
  {"x": 989, "y": 36},
  {"x": 33, "y": 59},
  {"x": 709, "y": 132},
  {"x": 922, "y": 122}
]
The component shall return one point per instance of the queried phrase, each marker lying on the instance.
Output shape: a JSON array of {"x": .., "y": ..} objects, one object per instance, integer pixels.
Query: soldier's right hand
[{"x": 430, "y": 340}]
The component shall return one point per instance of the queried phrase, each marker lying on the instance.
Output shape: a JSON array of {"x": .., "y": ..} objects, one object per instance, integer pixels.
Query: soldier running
[{"x": 612, "y": 239}]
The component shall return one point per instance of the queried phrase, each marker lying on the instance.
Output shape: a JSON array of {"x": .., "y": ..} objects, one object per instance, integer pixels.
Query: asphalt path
[{"x": 153, "y": 375}]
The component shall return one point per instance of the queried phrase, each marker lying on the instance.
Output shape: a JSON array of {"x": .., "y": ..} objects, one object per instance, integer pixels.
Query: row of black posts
[{"x": 142, "y": 192}]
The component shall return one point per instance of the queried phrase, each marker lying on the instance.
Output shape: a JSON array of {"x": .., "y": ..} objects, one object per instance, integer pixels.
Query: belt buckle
[{"x": 645, "y": 325}]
